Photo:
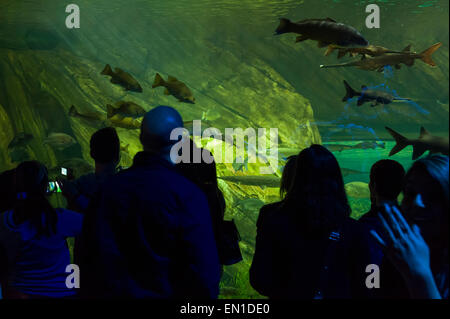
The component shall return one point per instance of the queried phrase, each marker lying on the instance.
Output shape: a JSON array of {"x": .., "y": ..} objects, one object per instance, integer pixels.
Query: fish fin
[
  {"x": 398, "y": 66},
  {"x": 407, "y": 49},
  {"x": 423, "y": 132},
  {"x": 73, "y": 112},
  {"x": 159, "y": 81},
  {"x": 322, "y": 44},
  {"x": 329, "y": 19},
  {"x": 301, "y": 38},
  {"x": 107, "y": 70},
  {"x": 341, "y": 53},
  {"x": 166, "y": 92},
  {"x": 111, "y": 111},
  {"x": 418, "y": 151},
  {"x": 172, "y": 79},
  {"x": 330, "y": 50},
  {"x": 349, "y": 92},
  {"x": 283, "y": 27},
  {"x": 426, "y": 55},
  {"x": 114, "y": 80},
  {"x": 401, "y": 141}
]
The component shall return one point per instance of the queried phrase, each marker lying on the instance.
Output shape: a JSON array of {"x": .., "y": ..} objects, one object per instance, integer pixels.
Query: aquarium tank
[{"x": 63, "y": 76}]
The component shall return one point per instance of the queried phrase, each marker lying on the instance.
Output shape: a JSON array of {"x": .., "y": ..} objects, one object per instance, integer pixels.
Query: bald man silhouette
[{"x": 155, "y": 232}]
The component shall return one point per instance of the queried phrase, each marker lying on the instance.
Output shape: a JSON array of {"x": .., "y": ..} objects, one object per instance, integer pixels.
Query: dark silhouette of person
[
  {"x": 155, "y": 232},
  {"x": 83, "y": 196},
  {"x": 204, "y": 175},
  {"x": 42, "y": 255},
  {"x": 304, "y": 246},
  {"x": 6, "y": 191},
  {"x": 415, "y": 240}
]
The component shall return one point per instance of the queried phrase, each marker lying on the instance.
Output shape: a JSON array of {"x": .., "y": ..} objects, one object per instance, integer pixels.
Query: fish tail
[
  {"x": 107, "y": 70},
  {"x": 159, "y": 81},
  {"x": 426, "y": 55},
  {"x": 283, "y": 27},
  {"x": 330, "y": 50},
  {"x": 401, "y": 141},
  {"x": 110, "y": 111},
  {"x": 350, "y": 92}
]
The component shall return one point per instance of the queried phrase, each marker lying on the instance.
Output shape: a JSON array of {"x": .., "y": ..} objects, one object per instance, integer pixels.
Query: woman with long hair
[
  {"x": 39, "y": 266},
  {"x": 303, "y": 247},
  {"x": 416, "y": 239}
]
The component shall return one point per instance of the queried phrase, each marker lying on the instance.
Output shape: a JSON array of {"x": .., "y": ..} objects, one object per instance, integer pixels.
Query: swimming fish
[
  {"x": 392, "y": 59},
  {"x": 254, "y": 180},
  {"x": 175, "y": 88},
  {"x": 125, "y": 122},
  {"x": 367, "y": 95},
  {"x": 370, "y": 50},
  {"x": 325, "y": 31},
  {"x": 357, "y": 190},
  {"x": 425, "y": 142},
  {"x": 60, "y": 141},
  {"x": 125, "y": 109},
  {"x": 93, "y": 118},
  {"x": 337, "y": 147},
  {"x": 122, "y": 78},
  {"x": 20, "y": 140},
  {"x": 369, "y": 145}
]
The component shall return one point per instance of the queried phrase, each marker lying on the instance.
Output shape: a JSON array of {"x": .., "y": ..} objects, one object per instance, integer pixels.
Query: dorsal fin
[
  {"x": 423, "y": 132},
  {"x": 329, "y": 19},
  {"x": 407, "y": 49},
  {"x": 172, "y": 79}
]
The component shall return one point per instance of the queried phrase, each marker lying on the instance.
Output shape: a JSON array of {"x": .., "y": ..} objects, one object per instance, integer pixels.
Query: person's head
[
  {"x": 30, "y": 186},
  {"x": 201, "y": 172},
  {"x": 6, "y": 190},
  {"x": 386, "y": 181},
  {"x": 157, "y": 127},
  {"x": 317, "y": 193},
  {"x": 288, "y": 175},
  {"x": 426, "y": 196},
  {"x": 105, "y": 146}
]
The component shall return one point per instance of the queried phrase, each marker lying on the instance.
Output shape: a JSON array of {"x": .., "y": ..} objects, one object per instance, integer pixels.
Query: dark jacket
[
  {"x": 154, "y": 234},
  {"x": 288, "y": 263}
]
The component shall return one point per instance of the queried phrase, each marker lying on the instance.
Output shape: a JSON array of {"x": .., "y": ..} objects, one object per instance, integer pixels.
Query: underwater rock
[{"x": 357, "y": 190}]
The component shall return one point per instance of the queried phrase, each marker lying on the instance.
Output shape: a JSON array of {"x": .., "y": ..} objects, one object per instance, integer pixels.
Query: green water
[{"x": 226, "y": 53}]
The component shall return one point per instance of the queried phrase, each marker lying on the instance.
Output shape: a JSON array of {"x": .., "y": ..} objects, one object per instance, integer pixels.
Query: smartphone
[
  {"x": 67, "y": 173},
  {"x": 53, "y": 187}
]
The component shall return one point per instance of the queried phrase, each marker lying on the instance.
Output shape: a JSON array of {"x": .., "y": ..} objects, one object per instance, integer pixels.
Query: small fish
[
  {"x": 357, "y": 190},
  {"x": 125, "y": 109},
  {"x": 122, "y": 78},
  {"x": 93, "y": 118},
  {"x": 349, "y": 171},
  {"x": 370, "y": 50},
  {"x": 174, "y": 87},
  {"x": 20, "y": 140},
  {"x": 254, "y": 180},
  {"x": 60, "y": 141},
  {"x": 325, "y": 31},
  {"x": 337, "y": 147},
  {"x": 369, "y": 145},
  {"x": 392, "y": 59},
  {"x": 425, "y": 142},
  {"x": 125, "y": 122},
  {"x": 368, "y": 95}
]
